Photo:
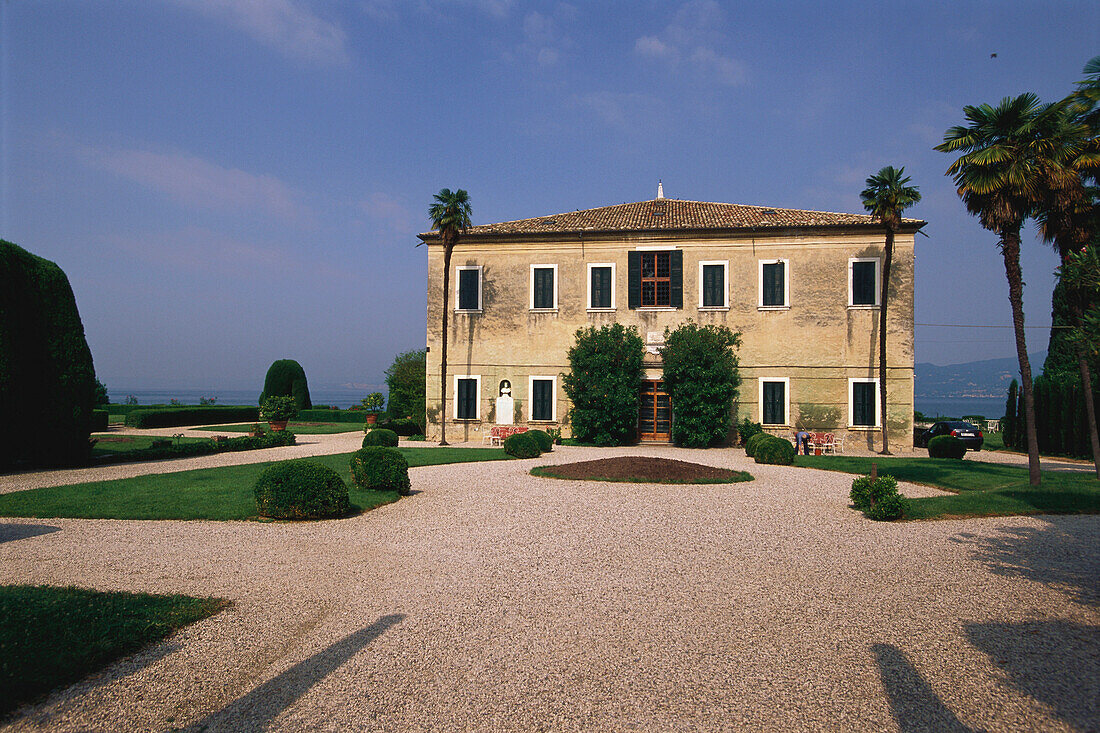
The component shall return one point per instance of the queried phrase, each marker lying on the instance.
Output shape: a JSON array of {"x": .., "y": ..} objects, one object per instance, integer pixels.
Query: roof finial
[{"x": 660, "y": 189}]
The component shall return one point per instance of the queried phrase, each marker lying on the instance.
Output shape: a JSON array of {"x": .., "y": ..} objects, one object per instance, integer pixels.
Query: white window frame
[
  {"x": 588, "y": 287},
  {"x": 786, "y": 284},
  {"x": 480, "y": 289},
  {"x": 786, "y": 398},
  {"x": 851, "y": 404},
  {"x": 454, "y": 399},
  {"x": 725, "y": 285},
  {"x": 531, "y": 397},
  {"x": 878, "y": 282},
  {"x": 531, "y": 288}
]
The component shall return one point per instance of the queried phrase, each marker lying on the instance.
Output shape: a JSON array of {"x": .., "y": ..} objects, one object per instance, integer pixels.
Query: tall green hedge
[
  {"x": 286, "y": 377},
  {"x": 1060, "y": 418},
  {"x": 170, "y": 417},
  {"x": 47, "y": 381},
  {"x": 701, "y": 375},
  {"x": 605, "y": 374}
]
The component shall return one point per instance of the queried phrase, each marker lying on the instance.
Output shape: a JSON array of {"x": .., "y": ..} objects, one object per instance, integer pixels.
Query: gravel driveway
[{"x": 492, "y": 600}]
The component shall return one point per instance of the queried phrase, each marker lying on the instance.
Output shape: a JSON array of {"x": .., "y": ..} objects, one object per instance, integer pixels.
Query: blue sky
[{"x": 229, "y": 182}]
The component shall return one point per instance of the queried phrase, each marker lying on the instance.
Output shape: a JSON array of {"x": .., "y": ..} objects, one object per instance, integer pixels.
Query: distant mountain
[{"x": 986, "y": 378}]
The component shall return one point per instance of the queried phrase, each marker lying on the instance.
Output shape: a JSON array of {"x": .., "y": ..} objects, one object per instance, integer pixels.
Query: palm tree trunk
[
  {"x": 1090, "y": 407},
  {"x": 447, "y": 249},
  {"x": 882, "y": 335},
  {"x": 1010, "y": 249}
]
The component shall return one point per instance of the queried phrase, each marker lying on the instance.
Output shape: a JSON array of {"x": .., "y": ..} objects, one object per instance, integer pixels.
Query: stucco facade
[{"x": 812, "y": 343}]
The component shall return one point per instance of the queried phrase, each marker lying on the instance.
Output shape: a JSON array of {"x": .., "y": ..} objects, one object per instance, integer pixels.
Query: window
[
  {"x": 863, "y": 282},
  {"x": 544, "y": 287},
  {"x": 774, "y": 284},
  {"x": 713, "y": 284},
  {"x": 656, "y": 279},
  {"x": 467, "y": 398},
  {"x": 468, "y": 286},
  {"x": 863, "y": 407},
  {"x": 601, "y": 286},
  {"x": 542, "y": 398},
  {"x": 774, "y": 402}
]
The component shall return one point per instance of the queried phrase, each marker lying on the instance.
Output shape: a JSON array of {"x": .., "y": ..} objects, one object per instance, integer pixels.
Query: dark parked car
[{"x": 964, "y": 431}]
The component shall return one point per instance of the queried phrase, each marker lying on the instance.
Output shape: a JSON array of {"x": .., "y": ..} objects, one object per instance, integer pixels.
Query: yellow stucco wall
[{"x": 818, "y": 343}]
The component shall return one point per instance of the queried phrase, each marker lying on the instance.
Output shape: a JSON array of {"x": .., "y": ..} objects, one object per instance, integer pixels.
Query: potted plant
[
  {"x": 373, "y": 404},
  {"x": 278, "y": 410},
  {"x": 256, "y": 431}
]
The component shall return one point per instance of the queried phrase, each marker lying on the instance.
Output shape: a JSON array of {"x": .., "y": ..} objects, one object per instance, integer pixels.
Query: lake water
[
  {"x": 340, "y": 397},
  {"x": 992, "y": 408}
]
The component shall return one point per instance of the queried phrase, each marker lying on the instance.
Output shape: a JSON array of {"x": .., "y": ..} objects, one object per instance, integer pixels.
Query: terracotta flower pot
[
  {"x": 278, "y": 424},
  {"x": 372, "y": 419}
]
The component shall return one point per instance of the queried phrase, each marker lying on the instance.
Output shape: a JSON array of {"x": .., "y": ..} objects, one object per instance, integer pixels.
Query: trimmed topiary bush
[
  {"x": 546, "y": 443},
  {"x": 284, "y": 378},
  {"x": 47, "y": 381},
  {"x": 878, "y": 498},
  {"x": 746, "y": 429},
  {"x": 301, "y": 489},
  {"x": 522, "y": 445},
  {"x": 946, "y": 446},
  {"x": 605, "y": 373},
  {"x": 402, "y": 427},
  {"x": 380, "y": 436},
  {"x": 701, "y": 377},
  {"x": 380, "y": 469},
  {"x": 754, "y": 441},
  {"x": 775, "y": 451}
]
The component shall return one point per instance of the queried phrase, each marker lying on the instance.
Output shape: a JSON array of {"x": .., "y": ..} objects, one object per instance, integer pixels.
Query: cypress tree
[{"x": 286, "y": 377}]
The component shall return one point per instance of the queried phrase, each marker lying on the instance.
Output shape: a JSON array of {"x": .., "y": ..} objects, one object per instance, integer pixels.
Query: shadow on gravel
[
  {"x": 263, "y": 704},
  {"x": 1054, "y": 662},
  {"x": 913, "y": 702},
  {"x": 1063, "y": 554},
  {"x": 10, "y": 532}
]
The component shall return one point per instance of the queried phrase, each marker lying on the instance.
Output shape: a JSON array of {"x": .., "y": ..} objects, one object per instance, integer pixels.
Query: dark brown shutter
[
  {"x": 676, "y": 277},
  {"x": 634, "y": 279}
]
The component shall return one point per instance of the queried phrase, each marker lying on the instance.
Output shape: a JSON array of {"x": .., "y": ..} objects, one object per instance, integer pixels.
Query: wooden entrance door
[{"x": 655, "y": 412}]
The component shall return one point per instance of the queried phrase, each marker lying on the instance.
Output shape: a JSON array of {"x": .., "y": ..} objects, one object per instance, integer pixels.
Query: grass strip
[
  {"x": 734, "y": 477},
  {"x": 56, "y": 636},
  {"x": 981, "y": 489},
  {"x": 301, "y": 428},
  {"x": 223, "y": 493}
]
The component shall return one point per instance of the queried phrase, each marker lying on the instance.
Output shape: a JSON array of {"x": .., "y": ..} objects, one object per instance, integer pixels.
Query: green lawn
[
  {"x": 55, "y": 636},
  {"x": 301, "y": 428},
  {"x": 108, "y": 443},
  {"x": 982, "y": 489},
  {"x": 208, "y": 493}
]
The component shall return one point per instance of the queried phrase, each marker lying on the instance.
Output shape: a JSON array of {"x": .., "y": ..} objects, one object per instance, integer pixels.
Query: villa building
[{"x": 802, "y": 287}]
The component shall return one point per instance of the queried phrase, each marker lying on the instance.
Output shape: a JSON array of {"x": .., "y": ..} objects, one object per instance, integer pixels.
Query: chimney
[{"x": 660, "y": 190}]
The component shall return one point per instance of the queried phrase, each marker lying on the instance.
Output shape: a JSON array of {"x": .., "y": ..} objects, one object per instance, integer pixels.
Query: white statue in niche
[{"x": 505, "y": 404}]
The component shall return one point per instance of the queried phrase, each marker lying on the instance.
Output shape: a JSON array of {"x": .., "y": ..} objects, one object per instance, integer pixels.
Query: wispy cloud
[
  {"x": 389, "y": 211},
  {"x": 691, "y": 40},
  {"x": 288, "y": 26},
  {"x": 194, "y": 181},
  {"x": 496, "y": 8},
  {"x": 624, "y": 110}
]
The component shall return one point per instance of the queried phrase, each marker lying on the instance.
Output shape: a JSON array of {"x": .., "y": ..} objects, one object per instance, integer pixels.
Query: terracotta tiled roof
[{"x": 671, "y": 214}]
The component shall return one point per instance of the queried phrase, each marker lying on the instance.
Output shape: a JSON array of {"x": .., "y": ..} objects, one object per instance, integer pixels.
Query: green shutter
[
  {"x": 773, "y": 284},
  {"x": 467, "y": 399},
  {"x": 634, "y": 279},
  {"x": 541, "y": 397},
  {"x": 863, "y": 403},
  {"x": 676, "y": 278},
  {"x": 544, "y": 287},
  {"x": 774, "y": 403},
  {"x": 467, "y": 290},
  {"x": 863, "y": 283},
  {"x": 601, "y": 287},
  {"x": 713, "y": 284}
]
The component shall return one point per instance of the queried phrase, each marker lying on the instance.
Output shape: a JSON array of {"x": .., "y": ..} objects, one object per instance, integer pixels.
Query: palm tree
[
  {"x": 450, "y": 215},
  {"x": 886, "y": 196},
  {"x": 1011, "y": 157}
]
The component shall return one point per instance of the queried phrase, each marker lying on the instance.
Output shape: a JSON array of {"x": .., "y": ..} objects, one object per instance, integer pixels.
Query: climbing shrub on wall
[
  {"x": 605, "y": 372},
  {"x": 700, "y": 370}
]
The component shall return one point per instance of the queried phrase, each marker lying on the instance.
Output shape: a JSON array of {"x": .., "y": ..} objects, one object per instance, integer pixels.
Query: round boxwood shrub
[
  {"x": 380, "y": 436},
  {"x": 753, "y": 441},
  {"x": 522, "y": 445},
  {"x": 878, "y": 498},
  {"x": 773, "y": 450},
  {"x": 286, "y": 377},
  {"x": 380, "y": 469},
  {"x": 946, "y": 446},
  {"x": 301, "y": 489},
  {"x": 546, "y": 443}
]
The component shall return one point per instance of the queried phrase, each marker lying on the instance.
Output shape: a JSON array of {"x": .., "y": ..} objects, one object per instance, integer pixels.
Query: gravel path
[{"x": 492, "y": 600}]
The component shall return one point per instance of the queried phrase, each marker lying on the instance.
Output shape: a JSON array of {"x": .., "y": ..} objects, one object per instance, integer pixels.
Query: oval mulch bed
[{"x": 642, "y": 470}]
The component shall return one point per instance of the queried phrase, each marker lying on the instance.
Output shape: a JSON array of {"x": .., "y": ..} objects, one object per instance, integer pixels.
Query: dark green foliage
[
  {"x": 301, "y": 489},
  {"x": 1060, "y": 415},
  {"x": 382, "y": 437},
  {"x": 522, "y": 445},
  {"x": 746, "y": 429},
  {"x": 55, "y": 636},
  {"x": 700, "y": 370},
  {"x": 47, "y": 381},
  {"x": 380, "y": 469},
  {"x": 545, "y": 441},
  {"x": 402, "y": 426},
  {"x": 168, "y": 449},
  {"x": 754, "y": 441},
  {"x": 775, "y": 451},
  {"x": 100, "y": 418},
  {"x": 170, "y": 417},
  {"x": 405, "y": 380},
  {"x": 946, "y": 446},
  {"x": 101, "y": 398},
  {"x": 605, "y": 374},
  {"x": 878, "y": 498},
  {"x": 319, "y": 415},
  {"x": 284, "y": 378}
]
